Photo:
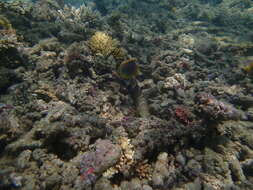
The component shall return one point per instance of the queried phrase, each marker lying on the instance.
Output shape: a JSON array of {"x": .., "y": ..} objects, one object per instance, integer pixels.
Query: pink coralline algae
[
  {"x": 183, "y": 115},
  {"x": 94, "y": 163},
  {"x": 216, "y": 109}
]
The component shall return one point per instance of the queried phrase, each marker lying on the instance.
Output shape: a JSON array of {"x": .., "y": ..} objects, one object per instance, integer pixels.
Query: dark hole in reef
[
  {"x": 234, "y": 177},
  {"x": 152, "y": 156},
  {"x": 94, "y": 139},
  {"x": 54, "y": 187},
  {"x": 6, "y": 187},
  {"x": 117, "y": 179},
  {"x": 2, "y": 146},
  {"x": 56, "y": 145},
  {"x": 57, "y": 72},
  {"x": 209, "y": 138},
  {"x": 248, "y": 169}
]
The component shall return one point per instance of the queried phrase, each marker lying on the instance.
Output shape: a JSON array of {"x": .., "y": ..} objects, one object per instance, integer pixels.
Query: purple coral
[
  {"x": 87, "y": 168},
  {"x": 94, "y": 163}
]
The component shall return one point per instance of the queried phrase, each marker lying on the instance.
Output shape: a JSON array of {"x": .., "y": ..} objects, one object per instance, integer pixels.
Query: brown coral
[{"x": 144, "y": 170}]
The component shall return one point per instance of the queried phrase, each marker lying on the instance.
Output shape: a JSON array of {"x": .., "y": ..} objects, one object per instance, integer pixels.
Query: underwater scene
[{"x": 126, "y": 94}]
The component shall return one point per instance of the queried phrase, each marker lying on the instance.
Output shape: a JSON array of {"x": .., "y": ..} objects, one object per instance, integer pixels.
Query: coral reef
[
  {"x": 215, "y": 109},
  {"x": 126, "y": 95},
  {"x": 10, "y": 55},
  {"x": 77, "y": 23}
]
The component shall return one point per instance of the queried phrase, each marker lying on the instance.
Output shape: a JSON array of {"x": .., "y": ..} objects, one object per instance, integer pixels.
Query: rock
[
  {"x": 161, "y": 169},
  {"x": 135, "y": 184},
  {"x": 214, "y": 164},
  {"x": 53, "y": 180},
  {"x": 23, "y": 159},
  {"x": 147, "y": 187},
  {"x": 244, "y": 101},
  {"x": 236, "y": 171},
  {"x": 194, "y": 167},
  {"x": 196, "y": 185},
  {"x": 157, "y": 180},
  {"x": 181, "y": 159},
  {"x": 124, "y": 185},
  {"x": 94, "y": 163},
  {"x": 104, "y": 184},
  {"x": 30, "y": 183},
  {"x": 16, "y": 180}
]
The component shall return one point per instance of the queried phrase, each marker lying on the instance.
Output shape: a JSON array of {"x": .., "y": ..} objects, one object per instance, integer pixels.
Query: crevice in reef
[{"x": 56, "y": 145}]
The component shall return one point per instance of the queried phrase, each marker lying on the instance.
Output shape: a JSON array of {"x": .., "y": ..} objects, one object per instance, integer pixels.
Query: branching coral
[
  {"x": 144, "y": 170},
  {"x": 82, "y": 13},
  {"x": 103, "y": 44},
  {"x": 78, "y": 19},
  {"x": 126, "y": 160}
]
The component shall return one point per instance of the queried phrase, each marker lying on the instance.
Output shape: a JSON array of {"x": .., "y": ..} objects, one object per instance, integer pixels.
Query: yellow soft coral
[{"x": 103, "y": 44}]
